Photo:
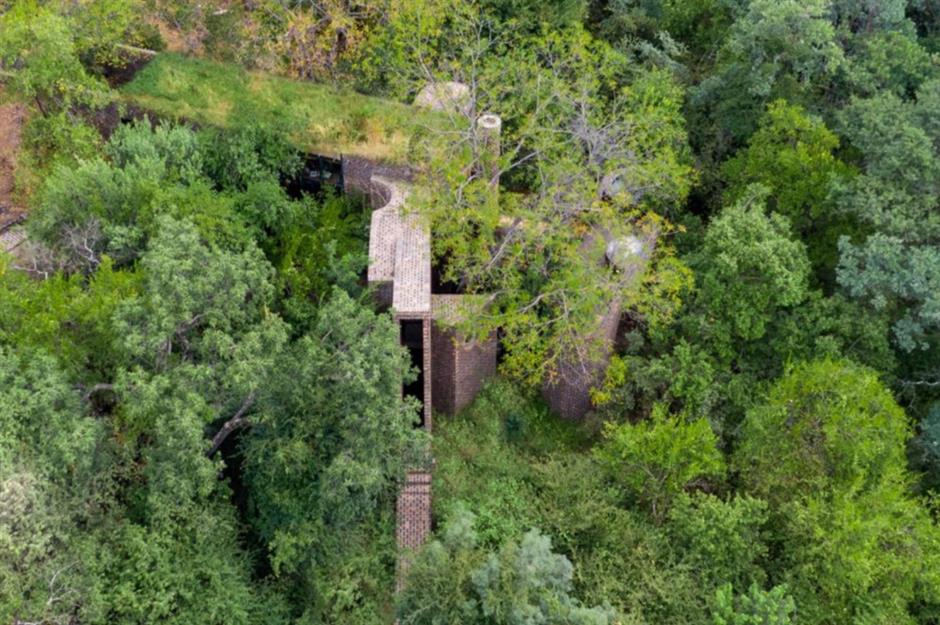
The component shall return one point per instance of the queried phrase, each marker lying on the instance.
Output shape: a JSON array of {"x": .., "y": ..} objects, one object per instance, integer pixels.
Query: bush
[
  {"x": 453, "y": 580},
  {"x": 655, "y": 460}
]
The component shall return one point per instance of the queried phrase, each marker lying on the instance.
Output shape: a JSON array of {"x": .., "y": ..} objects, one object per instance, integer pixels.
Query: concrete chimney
[{"x": 489, "y": 127}]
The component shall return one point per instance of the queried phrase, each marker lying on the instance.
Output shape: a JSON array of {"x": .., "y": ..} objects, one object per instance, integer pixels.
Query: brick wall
[
  {"x": 460, "y": 368},
  {"x": 414, "y": 519}
]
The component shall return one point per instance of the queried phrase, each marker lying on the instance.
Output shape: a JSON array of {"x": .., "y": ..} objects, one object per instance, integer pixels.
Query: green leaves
[
  {"x": 784, "y": 40},
  {"x": 330, "y": 443},
  {"x": 597, "y": 157},
  {"x": 825, "y": 425},
  {"x": 40, "y": 45},
  {"x": 896, "y": 267},
  {"x": 658, "y": 458},
  {"x": 748, "y": 267},
  {"x": 792, "y": 154},
  {"x": 191, "y": 287},
  {"x": 453, "y": 581},
  {"x": 774, "y": 49},
  {"x": 756, "y": 607},
  {"x": 827, "y": 450},
  {"x": 42, "y": 420},
  {"x": 722, "y": 541}
]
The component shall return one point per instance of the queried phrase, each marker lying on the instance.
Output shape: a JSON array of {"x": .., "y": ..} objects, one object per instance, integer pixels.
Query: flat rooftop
[{"x": 400, "y": 252}]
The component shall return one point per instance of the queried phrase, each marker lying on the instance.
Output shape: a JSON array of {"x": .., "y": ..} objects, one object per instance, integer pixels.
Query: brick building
[{"x": 453, "y": 368}]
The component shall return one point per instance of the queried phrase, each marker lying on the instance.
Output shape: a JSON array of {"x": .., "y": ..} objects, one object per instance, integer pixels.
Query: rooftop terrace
[{"x": 321, "y": 119}]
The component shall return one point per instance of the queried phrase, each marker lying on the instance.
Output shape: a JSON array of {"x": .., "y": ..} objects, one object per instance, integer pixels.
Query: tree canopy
[{"x": 205, "y": 410}]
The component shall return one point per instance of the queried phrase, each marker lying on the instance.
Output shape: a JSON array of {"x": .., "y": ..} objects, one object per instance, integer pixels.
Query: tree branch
[
  {"x": 97, "y": 387},
  {"x": 238, "y": 420}
]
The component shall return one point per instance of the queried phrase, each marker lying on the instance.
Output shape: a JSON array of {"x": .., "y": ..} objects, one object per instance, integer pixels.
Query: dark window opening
[
  {"x": 500, "y": 346},
  {"x": 440, "y": 286},
  {"x": 412, "y": 337},
  {"x": 317, "y": 174}
]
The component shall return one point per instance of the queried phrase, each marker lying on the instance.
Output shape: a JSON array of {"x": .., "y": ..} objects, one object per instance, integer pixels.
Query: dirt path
[{"x": 11, "y": 123}]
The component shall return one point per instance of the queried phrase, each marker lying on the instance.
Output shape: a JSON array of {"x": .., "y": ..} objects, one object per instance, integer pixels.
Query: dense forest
[{"x": 201, "y": 408}]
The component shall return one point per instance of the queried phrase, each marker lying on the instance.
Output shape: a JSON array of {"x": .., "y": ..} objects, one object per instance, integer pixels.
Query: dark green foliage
[
  {"x": 927, "y": 448},
  {"x": 42, "y": 422},
  {"x": 896, "y": 267},
  {"x": 792, "y": 154},
  {"x": 318, "y": 243},
  {"x": 332, "y": 440},
  {"x": 179, "y": 570},
  {"x": 248, "y": 154},
  {"x": 67, "y": 316},
  {"x": 773, "y": 50},
  {"x": 68, "y": 551},
  {"x": 479, "y": 443}
]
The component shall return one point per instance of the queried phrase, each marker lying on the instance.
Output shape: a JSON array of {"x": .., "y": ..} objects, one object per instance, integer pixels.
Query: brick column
[
  {"x": 568, "y": 392},
  {"x": 414, "y": 519}
]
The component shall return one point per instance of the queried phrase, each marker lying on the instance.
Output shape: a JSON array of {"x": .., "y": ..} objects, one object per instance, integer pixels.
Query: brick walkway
[
  {"x": 11, "y": 238},
  {"x": 400, "y": 266},
  {"x": 414, "y": 518}
]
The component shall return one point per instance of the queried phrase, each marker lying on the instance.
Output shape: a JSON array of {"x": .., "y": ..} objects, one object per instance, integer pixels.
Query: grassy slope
[{"x": 322, "y": 119}]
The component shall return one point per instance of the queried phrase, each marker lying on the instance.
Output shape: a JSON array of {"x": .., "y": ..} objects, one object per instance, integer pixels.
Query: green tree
[
  {"x": 825, "y": 425},
  {"x": 186, "y": 567},
  {"x": 928, "y": 447},
  {"x": 68, "y": 316},
  {"x": 773, "y": 50},
  {"x": 330, "y": 443},
  {"x": 827, "y": 450},
  {"x": 895, "y": 268},
  {"x": 749, "y": 267},
  {"x": 861, "y": 16},
  {"x": 792, "y": 154},
  {"x": 890, "y": 61},
  {"x": 532, "y": 14},
  {"x": 596, "y": 163},
  {"x": 194, "y": 295},
  {"x": 111, "y": 206},
  {"x": 722, "y": 541},
  {"x": 757, "y": 607},
  {"x": 454, "y": 581},
  {"x": 657, "y": 459},
  {"x": 40, "y": 62}
]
